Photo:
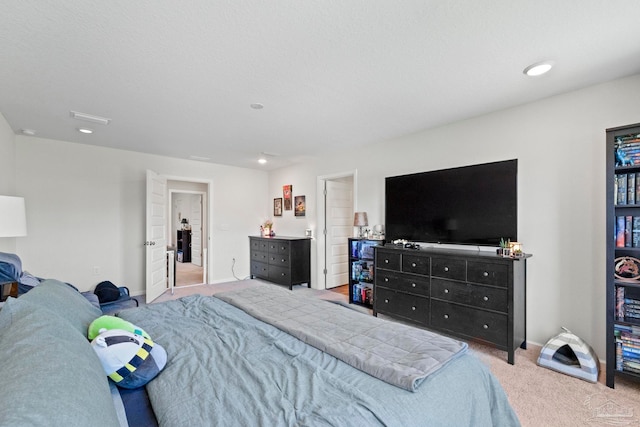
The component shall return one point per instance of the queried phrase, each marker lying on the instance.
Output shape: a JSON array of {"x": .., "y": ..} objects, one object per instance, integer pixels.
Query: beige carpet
[
  {"x": 541, "y": 397},
  {"x": 188, "y": 274}
]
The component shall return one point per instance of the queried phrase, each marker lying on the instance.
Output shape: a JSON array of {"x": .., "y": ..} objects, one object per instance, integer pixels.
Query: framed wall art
[
  {"x": 277, "y": 206},
  {"x": 286, "y": 194},
  {"x": 301, "y": 205}
]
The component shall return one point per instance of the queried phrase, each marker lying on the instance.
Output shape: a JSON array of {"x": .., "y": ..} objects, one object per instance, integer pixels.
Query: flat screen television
[{"x": 470, "y": 205}]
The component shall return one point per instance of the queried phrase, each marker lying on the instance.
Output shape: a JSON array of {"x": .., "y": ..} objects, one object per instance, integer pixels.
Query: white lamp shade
[
  {"x": 13, "y": 218},
  {"x": 360, "y": 219}
]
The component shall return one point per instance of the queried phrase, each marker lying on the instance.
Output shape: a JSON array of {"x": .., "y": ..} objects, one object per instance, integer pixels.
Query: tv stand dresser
[{"x": 469, "y": 294}]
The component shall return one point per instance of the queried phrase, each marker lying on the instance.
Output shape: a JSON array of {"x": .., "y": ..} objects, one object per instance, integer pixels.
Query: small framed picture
[
  {"x": 277, "y": 206},
  {"x": 286, "y": 193},
  {"x": 301, "y": 205}
]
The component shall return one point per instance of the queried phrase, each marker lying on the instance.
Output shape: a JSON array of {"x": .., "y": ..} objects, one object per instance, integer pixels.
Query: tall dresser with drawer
[
  {"x": 282, "y": 260},
  {"x": 472, "y": 295}
]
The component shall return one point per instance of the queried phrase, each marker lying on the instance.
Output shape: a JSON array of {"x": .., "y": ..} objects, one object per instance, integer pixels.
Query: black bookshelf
[
  {"x": 623, "y": 253},
  {"x": 361, "y": 271}
]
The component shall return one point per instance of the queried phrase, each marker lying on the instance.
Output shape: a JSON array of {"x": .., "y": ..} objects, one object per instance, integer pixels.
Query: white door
[
  {"x": 339, "y": 227},
  {"x": 196, "y": 230},
  {"x": 156, "y": 244}
]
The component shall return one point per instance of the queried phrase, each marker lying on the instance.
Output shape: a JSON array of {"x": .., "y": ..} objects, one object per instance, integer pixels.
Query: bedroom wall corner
[
  {"x": 7, "y": 174},
  {"x": 88, "y": 210}
]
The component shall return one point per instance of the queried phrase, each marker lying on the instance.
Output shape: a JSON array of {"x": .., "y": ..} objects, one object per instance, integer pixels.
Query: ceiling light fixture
[
  {"x": 29, "y": 132},
  {"x": 538, "y": 69},
  {"x": 90, "y": 118},
  {"x": 264, "y": 157},
  {"x": 257, "y": 106},
  {"x": 85, "y": 130}
]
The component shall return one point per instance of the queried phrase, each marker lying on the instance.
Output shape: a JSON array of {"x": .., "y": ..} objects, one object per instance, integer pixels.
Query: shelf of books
[
  {"x": 627, "y": 329},
  {"x": 623, "y": 253},
  {"x": 361, "y": 269}
]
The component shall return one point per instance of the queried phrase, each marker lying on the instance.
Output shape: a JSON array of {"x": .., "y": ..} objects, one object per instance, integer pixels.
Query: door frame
[
  {"x": 207, "y": 254},
  {"x": 321, "y": 238}
]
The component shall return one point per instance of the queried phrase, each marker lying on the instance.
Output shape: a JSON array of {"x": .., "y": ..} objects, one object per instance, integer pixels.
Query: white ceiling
[{"x": 177, "y": 78}]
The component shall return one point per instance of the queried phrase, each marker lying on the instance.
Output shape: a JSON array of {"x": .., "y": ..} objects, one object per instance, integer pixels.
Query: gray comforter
[
  {"x": 226, "y": 368},
  {"x": 393, "y": 352}
]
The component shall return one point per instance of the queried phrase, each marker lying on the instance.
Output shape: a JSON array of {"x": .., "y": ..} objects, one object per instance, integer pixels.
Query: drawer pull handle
[
  {"x": 413, "y": 264},
  {"x": 485, "y": 274},
  {"x": 446, "y": 316},
  {"x": 413, "y": 308},
  {"x": 485, "y": 326},
  {"x": 446, "y": 269},
  {"x": 486, "y": 298},
  {"x": 446, "y": 291},
  {"x": 386, "y": 279},
  {"x": 413, "y": 285},
  {"x": 386, "y": 301}
]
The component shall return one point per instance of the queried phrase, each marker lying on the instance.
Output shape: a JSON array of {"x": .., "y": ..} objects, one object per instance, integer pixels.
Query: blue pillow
[
  {"x": 63, "y": 300},
  {"x": 49, "y": 371}
]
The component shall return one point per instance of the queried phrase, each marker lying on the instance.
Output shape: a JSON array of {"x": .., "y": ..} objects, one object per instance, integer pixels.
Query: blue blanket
[
  {"x": 399, "y": 354},
  {"x": 227, "y": 368}
]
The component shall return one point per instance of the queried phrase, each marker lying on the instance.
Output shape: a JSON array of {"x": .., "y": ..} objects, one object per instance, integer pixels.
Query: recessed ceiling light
[
  {"x": 257, "y": 106},
  {"x": 85, "y": 130},
  {"x": 262, "y": 160},
  {"x": 538, "y": 69},
  {"x": 29, "y": 132},
  {"x": 90, "y": 118}
]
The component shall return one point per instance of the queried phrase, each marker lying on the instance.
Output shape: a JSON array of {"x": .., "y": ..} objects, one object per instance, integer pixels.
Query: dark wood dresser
[
  {"x": 469, "y": 294},
  {"x": 282, "y": 260}
]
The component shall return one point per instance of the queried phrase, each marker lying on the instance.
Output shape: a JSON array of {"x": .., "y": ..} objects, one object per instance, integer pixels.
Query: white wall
[
  {"x": 7, "y": 175},
  {"x": 86, "y": 209},
  {"x": 560, "y": 146}
]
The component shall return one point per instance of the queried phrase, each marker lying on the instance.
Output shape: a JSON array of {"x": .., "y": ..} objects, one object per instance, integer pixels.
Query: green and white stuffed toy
[
  {"x": 106, "y": 323},
  {"x": 128, "y": 355}
]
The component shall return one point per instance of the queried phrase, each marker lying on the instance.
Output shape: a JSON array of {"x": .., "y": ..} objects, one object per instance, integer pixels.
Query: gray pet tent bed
[{"x": 568, "y": 354}]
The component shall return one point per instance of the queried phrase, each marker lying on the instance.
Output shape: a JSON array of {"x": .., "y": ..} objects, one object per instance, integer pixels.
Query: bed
[{"x": 227, "y": 367}]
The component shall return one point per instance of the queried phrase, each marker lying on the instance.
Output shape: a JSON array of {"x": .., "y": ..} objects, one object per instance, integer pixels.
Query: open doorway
[
  {"x": 187, "y": 226},
  {"x": 335, "y": 216}
]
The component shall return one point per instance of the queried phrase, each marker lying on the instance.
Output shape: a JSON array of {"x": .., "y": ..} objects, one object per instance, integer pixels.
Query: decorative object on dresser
[
  {"x": 360, "y": 220},
  {"x": 184, "y": 246},
  {"x": 468, "y": 294},
  {"x": 623, "y": 253},
  {"x": 266, "y": 229},
  {"x": 361, "y": 271},
  {"x": 282, "y": 260}
]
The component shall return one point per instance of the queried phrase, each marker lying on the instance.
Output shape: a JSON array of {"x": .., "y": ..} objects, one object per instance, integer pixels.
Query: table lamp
[{"x": 360, "y": 220}]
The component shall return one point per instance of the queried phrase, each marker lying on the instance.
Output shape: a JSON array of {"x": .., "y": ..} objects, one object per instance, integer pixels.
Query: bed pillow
[
  {"x": 64, "y": 301},
  {"x": 50, "y": 374}
]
